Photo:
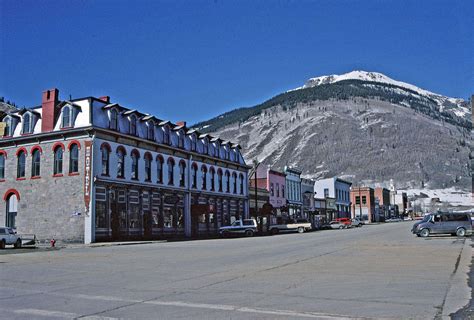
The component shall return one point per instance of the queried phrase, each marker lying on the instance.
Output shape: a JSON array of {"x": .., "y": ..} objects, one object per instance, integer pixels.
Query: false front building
[{"x": 89, "y": 170}]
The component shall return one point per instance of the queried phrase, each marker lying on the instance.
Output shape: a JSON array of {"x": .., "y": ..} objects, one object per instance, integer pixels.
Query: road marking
[{"x": 59, "y": 314}]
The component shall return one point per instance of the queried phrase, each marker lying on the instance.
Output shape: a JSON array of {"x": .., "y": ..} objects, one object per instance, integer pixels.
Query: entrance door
[{"x": 11, "y": 210}]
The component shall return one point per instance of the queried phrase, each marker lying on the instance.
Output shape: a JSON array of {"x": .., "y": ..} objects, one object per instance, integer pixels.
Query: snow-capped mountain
[{"x": 458, "y": 105}]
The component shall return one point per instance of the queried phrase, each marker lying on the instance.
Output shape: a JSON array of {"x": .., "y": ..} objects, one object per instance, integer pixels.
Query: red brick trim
[
  {"x": 122, "y": 149},
  {"x": 20, "y": 179},
  {"x": 4, "y": 153},
  {"x": 9, "y": 192},
  {"x": 74, "y": 142},
  {"x": 2, "y": 180},
  {"x": 36, "y": 148},
  {"x": 35, "y": 177},
  {"x": 135, "y": 151},
  {"x": 58, "y": 175},
  {"x": 58, "y": 144},
  {"x": 22, "y": 149},
  {"x": 73, "y": 173},
  {"x": 106, "y": 145}
]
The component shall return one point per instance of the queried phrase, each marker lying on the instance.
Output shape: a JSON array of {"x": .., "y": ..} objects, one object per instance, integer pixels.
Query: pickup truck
[
  {"x": 246, "y": 227},
  {"x": 298, "y": 225},
  {"x": 8, "y": 236}
]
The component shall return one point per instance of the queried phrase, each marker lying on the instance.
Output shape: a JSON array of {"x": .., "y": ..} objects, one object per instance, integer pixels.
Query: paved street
[{"x": 378, "y": 271}]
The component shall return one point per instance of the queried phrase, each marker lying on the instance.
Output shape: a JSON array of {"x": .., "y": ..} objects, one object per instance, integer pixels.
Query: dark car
[{"x": 458, "y": 224}]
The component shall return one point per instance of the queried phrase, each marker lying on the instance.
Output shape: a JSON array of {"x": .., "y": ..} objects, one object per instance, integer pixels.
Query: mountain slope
[{"x": 363, "y": 130}]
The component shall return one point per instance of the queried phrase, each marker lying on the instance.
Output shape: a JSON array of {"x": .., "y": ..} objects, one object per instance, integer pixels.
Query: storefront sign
[{"x": 87, "y": 173}]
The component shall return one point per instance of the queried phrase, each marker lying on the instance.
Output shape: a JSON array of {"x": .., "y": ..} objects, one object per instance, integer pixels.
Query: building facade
[
  {"x": 338, "y": 189},
  {"x": 89, "y": 170},
  {"x": 293, "y": 195},
  {"x": 307, "y": 194},
  {"x": 275, "y": 182},
  {"x": 363, "y": 203},
  {"x": 382, "y": 196}
]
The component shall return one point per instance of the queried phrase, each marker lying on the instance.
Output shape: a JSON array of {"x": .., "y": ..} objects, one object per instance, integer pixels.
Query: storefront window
[
  {"x": 100, "y": 208},
  {"x": 155, "y": 210},
  {"x": 135, "y": 216}
]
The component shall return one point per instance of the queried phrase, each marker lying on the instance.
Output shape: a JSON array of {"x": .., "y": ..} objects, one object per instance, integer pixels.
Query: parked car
[
  {"x": 345, "y": 221},
  {"x": 8, "y": 236},
  {"x": 356, "y": 223},
  {"x": 246, "y": 227},
  {"x": 458, "y": 224},
  {"x": 394, "y": 219},
  {"x": 337, "y": 225},
  {"x": 300, "y": 225}
]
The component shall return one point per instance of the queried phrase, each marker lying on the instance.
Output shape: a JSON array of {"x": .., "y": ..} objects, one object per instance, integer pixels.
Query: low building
[
  {"x": 338, "y": 189},
  {"x": 293, "y": 196},
  {"x": 363, "y": 203},
  {"x": 307, "y": 194},
  {"x": 382, "y": 196},
  {"x": 275, "y": 182},
  {"x": 87, "y": 170}
]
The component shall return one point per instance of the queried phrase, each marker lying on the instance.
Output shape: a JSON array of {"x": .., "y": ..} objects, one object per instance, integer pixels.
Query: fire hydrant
[{"x": 53, "y": 242}]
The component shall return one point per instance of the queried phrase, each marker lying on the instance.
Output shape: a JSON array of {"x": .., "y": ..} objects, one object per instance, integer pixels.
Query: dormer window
[
  {"x": 181, "y": 139},
  {"x": 151, "y": 131},
  {"x": 113, "y": 120},
  {"x": 66, "y": 119},
  {"x": 217, "y": 150},
  {"x": 133, "y": 125},
  {"x": 166, "y": 135},
  {"x": 27, "y": 123},
  {"x": 205, "y": 146},
  {"x": 193, "y": 143},
  {"x": 10, "y": 125}
]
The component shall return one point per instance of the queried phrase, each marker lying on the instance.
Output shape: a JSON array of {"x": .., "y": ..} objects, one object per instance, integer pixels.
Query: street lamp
[{"x": 256, "y": 163}]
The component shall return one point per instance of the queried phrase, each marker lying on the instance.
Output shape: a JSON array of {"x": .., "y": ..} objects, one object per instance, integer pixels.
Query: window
[
  {"x": 234, "y": 184},
  {"x": 193, "y": 143},
  {"x": 227, "y": 181},
  {"x": 206, "y": 146},
  {"x": 66, "y": 121},
  {"x": 113, "y": 120},
  {"x": 181, "y": 139},
  {"x": 135, "y": 157},
  {"x": 2, "y": 166},
  {"x": 74, "y": 158},
  {"x": 159, "y": 169},
  {"x": 105, "y": 151},
  {"x": 182, "y": 173},
  {"x": 120, "y": 163},
  {"x": 170, "y": 171},
  {"x": 27, "y": 123},
  {"x": 216, "y": 150},
  {"x": 166, "y": 135},
  {"x": 148, "y": 167},
  {"x": 278, "y": 190},
  {"x": 364, "y": 199},
  {"x": 282, "y": 191},
  {"x": 36, "y": 163},
  {"x": 241, "y": 183},
  {"x": 271, "y": 190},
  {"x": 204, "y": 177},
  {"x": 58, "y": 160},
  {"x": 133, "y": 125},
  {"x": 9, "y": 127},
  {"x": 21, "y": 165},
  {"x": 151, "y": 131},
  {"x": 212, "y": 173},
  {"x": 357, "y": 200},
  {"x": 219, "y": 179},
  {"x": 194, "y": 175},
  {"x": 326, "y": 193}
]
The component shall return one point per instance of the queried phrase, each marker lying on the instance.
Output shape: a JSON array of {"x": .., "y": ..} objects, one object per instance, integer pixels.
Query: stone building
[{"x": 89, "y": 170}]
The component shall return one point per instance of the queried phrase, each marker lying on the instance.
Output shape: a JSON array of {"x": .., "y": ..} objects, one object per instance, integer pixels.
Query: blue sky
[{"x": 192, "y": 60}]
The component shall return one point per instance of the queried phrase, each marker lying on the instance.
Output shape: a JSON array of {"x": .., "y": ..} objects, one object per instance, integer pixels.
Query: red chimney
[
  {"x": 181, "y": 123},
  {"x": 48, "y": 105},
  {"x": 106, "y": 99}
]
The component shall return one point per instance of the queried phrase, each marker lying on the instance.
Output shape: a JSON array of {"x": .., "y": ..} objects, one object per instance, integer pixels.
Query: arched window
[
  {"x": 212, "y": 173},
  {"x": 105, "y": 151},
  {"x": 26, "y": 123},
  {"x": 120, "y": 162},
  {"x": 170, "y": 164},
  {"x": 135, "y": 156},
  {"x": 133, "y": 125},
  {"x": 227, "y": 181},
  {"x": 2, "y": 166},
  {"x": 9, "y": 128},
  {"x": 66, "y": 121},
  {"x": 205, "y": 144},
  {"x": 182, "y": 173},
  {"x": 219, "y": 179},
  {"x": 113, "y": 120},
  {"x": 204, "y": 177},
  {"x": 73, "y": 158},
  {"x": 21, "y": 164},
  {"x": 159, "y": 169},
  {"x": 151, "y": 131},
  {"x": 193, "y": 143},
  {"x": 148, "y": 160},
  {"x": 36, "y": 163},
  {"x": 241, "y": 176},
  {"x": 181, "y": 139},
  {"x": 58, "y": 160},
  {"x": 194, "y": 169},
  {"x": 234, "y": 182},
  {"x": 12, "y": 208},
  {"x": 166, "y": 135}
]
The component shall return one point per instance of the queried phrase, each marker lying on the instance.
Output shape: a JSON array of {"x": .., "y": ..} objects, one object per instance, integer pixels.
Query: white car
[
  {"x": 8, "y": 236},
  {"x": 356, "y": 223},
  {"x": 246, "y": 227},
  {"x": 337, "y": 225}
]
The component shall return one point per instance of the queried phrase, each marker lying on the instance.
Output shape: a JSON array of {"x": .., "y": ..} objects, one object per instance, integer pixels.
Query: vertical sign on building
[{"x": 87, "y": 174}]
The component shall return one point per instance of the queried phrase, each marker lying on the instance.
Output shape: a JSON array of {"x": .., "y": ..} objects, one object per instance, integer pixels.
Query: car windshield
[
  {"x": 235, "y": 223},
  {"x": 10, "y": 231},
  {"x": 426, "y": 218}
]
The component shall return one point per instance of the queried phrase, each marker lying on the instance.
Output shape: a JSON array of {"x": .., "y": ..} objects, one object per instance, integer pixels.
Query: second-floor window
[
  {"x": 182, "y": 173},
  {"x": 213, "y": 174},
  {"x": 204, "y": 177},
  {"x": 271, "y": 190},
  {"x": 105, "y": 160},
  {"x": 282, "y": 191},
  {"x": 147, "y": 167},
  {"x": 159, "y": 169},
  {"x": 120, "y": 163},
  {"x": 21, "y": 165},
  {"x": 219, "y": 179},
  {"x": 135, "y": 157},
  {"x": 278, "y": 190},
  {"x": 36, "y": 163},
  {"x": 2, "y": 166},
  {"x": 74, "y": 159},
  {"x": 234, "y": 180},
  {"x": 194, "y": 175},
  {"x": 58, "y": 160},
  {"x": 326, "y": 193},
  {"x": 227, "y": 181},
  {"x": 170, "y": 171}
]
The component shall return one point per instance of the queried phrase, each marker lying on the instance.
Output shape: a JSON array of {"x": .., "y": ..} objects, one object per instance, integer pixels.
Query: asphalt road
[{"x": 378, "y": 271}]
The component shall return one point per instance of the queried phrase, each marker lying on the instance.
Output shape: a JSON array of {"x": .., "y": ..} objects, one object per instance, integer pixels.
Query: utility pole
[{"x": 360, "y": 206}]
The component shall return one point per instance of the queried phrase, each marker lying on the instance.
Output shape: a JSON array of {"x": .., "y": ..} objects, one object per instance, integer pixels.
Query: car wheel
[
  {"x": 300, "y": 229},
  {"x": 275, "y": 231},
  {"x": 249, "y": 233},
  {"x": 360, "y": 225},
  {"x": 225, "y": 234},
  {"x": 17, "y": 244},
  {"x": 2, "y": 244},
  {"x": 341, "y": 227},
  {"x": 461, "y": 232},
  {"x": 425, "y": 233}
]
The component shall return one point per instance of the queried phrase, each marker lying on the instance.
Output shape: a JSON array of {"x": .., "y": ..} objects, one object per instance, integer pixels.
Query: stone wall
[{"x": 50, "y": 207}]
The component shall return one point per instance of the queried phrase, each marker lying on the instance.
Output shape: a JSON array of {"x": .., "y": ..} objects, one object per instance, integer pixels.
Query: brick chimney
[
  {"x": 48, "y": 105},
  {"x": 181, "y": 123},
  {"x": 106, "y": 99}
]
